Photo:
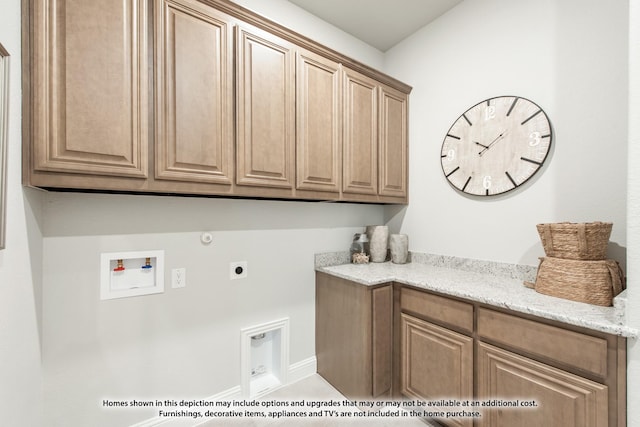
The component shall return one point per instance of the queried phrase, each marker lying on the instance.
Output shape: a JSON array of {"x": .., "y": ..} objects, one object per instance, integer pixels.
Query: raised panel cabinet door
[
  {"x": 318, "y": 123},
  {"x": 194, "y": 93},
  {"x": 392, "y": 176},
  {"x": 360, "y": 152},
  {"x": 436, "y": 363},
  {"x": 563, "y": 399},
  {"x": 89, "y": 106},
  {"x": 265, "y": 109}
]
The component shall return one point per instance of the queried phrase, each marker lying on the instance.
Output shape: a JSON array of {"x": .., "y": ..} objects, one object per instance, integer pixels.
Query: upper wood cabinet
[
  {"x": 392, "y": 153},
  {"x": 203, "y": 97},
  {"x": 88, "y": 91},
  {"x": 318, "y": 123},
  {"x": 265, "y": 109},
  {"x": 375, "y": 137},
  {"x": 360, "y": 134},
  {"x": 194, "y": 93}
]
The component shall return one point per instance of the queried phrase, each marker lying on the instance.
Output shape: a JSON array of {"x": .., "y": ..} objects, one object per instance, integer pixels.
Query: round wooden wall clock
[{"x": 496, "y": 146}]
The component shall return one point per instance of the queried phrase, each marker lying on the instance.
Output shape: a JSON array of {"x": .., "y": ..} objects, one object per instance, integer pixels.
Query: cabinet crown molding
[{"x": 253, "y": 18}]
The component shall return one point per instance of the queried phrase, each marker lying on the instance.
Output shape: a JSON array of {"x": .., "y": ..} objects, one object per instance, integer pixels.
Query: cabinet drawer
[
  {"x": 441, "y": 310},
  {"x": 572, "y": 348}
]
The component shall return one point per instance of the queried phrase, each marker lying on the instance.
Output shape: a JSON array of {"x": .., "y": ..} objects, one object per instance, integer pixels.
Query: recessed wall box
[
  {"x": 264, "y": 357},
  {"x": 129, "y": 274}
]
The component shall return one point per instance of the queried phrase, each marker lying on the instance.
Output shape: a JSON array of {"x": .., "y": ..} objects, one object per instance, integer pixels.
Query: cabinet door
[
  {"x": 360, "y": 154},
  {"x": 194, "y": 95},
  {"x": 563, "y": 399},
  {"x": 266, "y": 109},
  {"x": 89, "y": 89},
  {"x": 354, "y": 327},
  {"x": 436, "y": 363},
  {"x": 343, "y": 335},
  {"x": 318, "y": 123},
  {"x": 392, "y": 177}
]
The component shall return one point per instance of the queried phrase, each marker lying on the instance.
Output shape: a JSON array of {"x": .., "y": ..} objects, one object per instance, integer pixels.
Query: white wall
[
  {"x": 565, "y": 53},
  {"x": 568, "y": 56},
  {"x": 633, "y": 214},
  {"x": 297, "y": 19},
  {"x": 184, "y": 343},
  {"x": 572, "y": 58},
  {"x": 20, "y": 262}
]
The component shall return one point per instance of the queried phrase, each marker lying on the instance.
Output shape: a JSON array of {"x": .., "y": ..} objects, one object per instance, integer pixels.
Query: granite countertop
[{"x": 482, "y": 282}]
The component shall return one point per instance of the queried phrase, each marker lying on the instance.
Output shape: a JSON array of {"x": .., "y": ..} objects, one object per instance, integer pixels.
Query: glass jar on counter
[{"x": 360, "y": 249}]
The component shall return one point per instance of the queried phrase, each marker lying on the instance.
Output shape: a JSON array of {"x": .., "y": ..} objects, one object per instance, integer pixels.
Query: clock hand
[
  {"x": 498, "y": 138},
  {"x": 481, "y": 145}
]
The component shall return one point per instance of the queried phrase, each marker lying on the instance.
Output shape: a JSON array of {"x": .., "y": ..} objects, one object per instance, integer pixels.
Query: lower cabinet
[
  {"x": 439, "y": 347},
  {"x": 556, "y": 397},
  {"x": 576, "y": 377},
  {"x": 436, "y": 363},
  {"x": 354, "y": 327}
]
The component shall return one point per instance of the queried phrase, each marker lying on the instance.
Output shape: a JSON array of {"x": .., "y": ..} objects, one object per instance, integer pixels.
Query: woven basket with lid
[{"x": 579, "y": 241}]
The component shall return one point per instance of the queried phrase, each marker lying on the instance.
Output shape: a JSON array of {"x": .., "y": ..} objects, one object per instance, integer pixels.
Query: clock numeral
[
  {"x": 486, "y": 182},
  {"x": 509, "y": 127},
  {"x": 490, "y": 112},
  {"x": 534, "y": 139}
]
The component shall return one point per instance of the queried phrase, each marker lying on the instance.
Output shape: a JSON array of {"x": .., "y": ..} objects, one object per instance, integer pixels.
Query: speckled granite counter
[{"x": 499, "y": 285}]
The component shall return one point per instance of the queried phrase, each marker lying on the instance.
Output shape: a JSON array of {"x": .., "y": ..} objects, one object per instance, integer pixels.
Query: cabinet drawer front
[
  {"x": 440, "y": 309},
  {"x": 578, "y": 350}
]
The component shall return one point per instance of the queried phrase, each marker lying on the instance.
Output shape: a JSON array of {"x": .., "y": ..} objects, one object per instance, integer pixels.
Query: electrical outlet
[
  {"x": 238, "y": 270},
  {"x": 178, "y": 277}
]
